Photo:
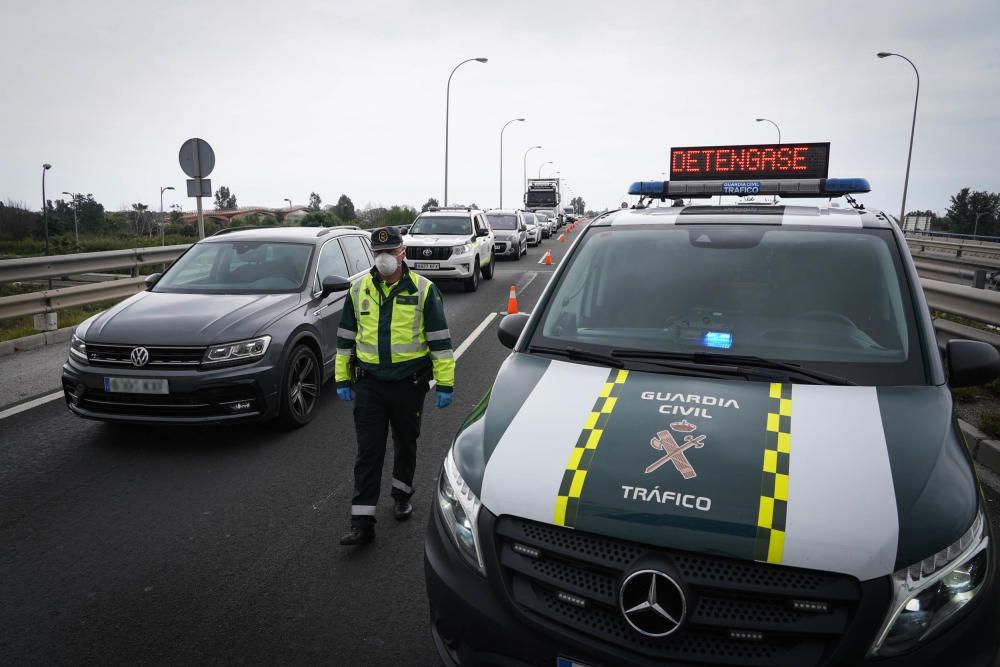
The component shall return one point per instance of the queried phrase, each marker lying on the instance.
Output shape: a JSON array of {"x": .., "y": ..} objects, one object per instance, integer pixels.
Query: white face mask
[{"x": 386, "y": 264}]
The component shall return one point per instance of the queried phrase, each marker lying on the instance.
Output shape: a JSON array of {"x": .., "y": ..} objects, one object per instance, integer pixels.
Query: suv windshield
[
  {"x": 502, "y": 220},
  {"x": 242, "y": 267},
  {"x": 439, "y": 224},
  {"x": 829, "y": 300}
]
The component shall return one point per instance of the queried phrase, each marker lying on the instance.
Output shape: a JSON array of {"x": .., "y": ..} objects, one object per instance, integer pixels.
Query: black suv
[{"x": 242, "y": 326}]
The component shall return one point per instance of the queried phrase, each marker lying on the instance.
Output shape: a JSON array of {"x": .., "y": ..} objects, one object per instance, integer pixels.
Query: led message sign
[{"x": 756, "y": 162}]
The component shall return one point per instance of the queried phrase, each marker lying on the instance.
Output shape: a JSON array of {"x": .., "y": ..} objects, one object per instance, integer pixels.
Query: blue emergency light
[{"x": 784, "y": 187}]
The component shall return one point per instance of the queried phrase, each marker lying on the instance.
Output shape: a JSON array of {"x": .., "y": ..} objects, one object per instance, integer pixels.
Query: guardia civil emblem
[
  {"x": 673, "y": 452},
  {"x": 383, "y": 236}
]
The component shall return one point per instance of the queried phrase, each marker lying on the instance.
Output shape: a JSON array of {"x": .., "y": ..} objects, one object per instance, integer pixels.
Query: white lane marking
[
  {"x": 34, "y": 403},
  {"x": 469, "y": 340}
]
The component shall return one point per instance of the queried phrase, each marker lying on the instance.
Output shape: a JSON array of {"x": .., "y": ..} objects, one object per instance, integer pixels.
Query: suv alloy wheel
[
  {"x": 301, "y": 387},
  {"x": 471, "y": 283}
]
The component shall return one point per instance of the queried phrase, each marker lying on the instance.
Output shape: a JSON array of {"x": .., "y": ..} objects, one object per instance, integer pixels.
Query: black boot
[
  {"x": 359, "y": 536},
  {"x": 402, "y": 510}
]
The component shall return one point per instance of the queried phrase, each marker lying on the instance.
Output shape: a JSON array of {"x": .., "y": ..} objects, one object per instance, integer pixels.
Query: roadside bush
[{"x": 989, "y": 423}]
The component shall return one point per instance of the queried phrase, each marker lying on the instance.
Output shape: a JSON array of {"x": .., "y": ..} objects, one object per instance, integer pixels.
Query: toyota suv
[
  {"x": 723, "y": 437},
  {"x": 452, "y": 244},
  {"x": 241, "y": 327}
]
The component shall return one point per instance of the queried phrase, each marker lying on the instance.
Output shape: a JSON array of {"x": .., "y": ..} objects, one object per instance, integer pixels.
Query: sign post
[{"x": 198, "y": 160}]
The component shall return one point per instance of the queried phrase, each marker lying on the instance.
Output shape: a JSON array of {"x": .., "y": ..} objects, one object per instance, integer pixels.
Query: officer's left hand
[
  {"x": 444, "y": 399},
  {"x": 345, "y": 393}
]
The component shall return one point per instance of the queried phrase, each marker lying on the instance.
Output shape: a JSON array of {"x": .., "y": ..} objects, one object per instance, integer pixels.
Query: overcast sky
[{"x": 349, "y": 97}]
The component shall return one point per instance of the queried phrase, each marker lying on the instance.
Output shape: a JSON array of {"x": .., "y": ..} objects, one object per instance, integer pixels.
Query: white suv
[{"x": 451, "y": 244}]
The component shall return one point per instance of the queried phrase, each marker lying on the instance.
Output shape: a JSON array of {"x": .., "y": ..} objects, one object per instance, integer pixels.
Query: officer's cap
[{"x": 386, "y": 238}]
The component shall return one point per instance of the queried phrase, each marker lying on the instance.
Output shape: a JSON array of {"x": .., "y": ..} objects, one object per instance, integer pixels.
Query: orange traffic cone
[
  {"x": 548, "y": 258},
  {"x": 562, "y": 238},
  {"x": 512, "y": 302}
]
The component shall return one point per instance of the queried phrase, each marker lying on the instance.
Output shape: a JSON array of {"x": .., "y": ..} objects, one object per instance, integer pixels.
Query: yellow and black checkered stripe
[
  {"x": 568, "y": 501},
  {"x": 770, "y": 541}
]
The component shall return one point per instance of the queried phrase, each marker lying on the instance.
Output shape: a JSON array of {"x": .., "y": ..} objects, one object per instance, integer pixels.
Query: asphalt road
[
  {"x": 181, "y": 546},
  {"x": 168, "y": 545}
]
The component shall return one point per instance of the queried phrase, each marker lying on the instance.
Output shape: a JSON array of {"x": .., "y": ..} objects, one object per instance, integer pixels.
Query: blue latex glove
[
  {"x": 345, "y": 393},
  {"x": 444, "y": 399}
]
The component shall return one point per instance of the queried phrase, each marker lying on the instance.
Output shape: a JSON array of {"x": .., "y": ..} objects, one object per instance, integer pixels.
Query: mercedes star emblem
[
  {"x": 428, "y": 252},
  {"x": 140, "y": 356},
  {"x": 652, "y": 603}
]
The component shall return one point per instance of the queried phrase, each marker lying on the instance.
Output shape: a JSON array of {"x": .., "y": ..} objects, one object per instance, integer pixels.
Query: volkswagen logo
[
  {"x": 139, "y": 356},
  {"x": 428, "y": 252},
  {"x": 652, "y": 603}
]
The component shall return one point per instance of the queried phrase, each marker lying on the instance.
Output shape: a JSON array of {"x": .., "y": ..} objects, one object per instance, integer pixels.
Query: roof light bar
[{"x": 810, "y": 187}]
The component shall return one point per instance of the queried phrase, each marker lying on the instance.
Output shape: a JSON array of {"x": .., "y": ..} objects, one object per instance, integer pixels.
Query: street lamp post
[
  {"x": 514, "y": 120},
  {"x": 162, "y": 233},
  {"x": 540, "y": 167},
  {"x": 975, "y": 227},
  {"x": 768, "y": 120},
  {"x": 76, "y": 224},
  {"x": 447, "y": 111},
  {"x": 913, "y": 127},
  {"x": 45, "y": 212},
  {"x": 526, "y": 166},
  {"x": 289, "y": 203}
]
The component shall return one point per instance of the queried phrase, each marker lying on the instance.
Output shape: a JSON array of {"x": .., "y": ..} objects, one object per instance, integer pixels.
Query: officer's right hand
[{"x": 345, "y": 393}]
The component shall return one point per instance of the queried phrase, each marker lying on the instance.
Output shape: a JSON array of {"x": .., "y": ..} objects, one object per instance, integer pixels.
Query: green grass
[{"x": 19, "y": 327}]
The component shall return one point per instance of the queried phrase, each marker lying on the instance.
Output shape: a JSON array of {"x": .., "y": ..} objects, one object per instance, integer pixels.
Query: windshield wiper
[
  {"x": 745, "y": 364},
  {"x": 577, "y": 353}
]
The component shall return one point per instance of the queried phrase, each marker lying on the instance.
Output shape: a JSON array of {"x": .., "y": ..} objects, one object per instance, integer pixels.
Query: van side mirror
[
  {"x": 971, "y": 363},
  {"x": 152, "y": 279},
  {"x": 510, "y": 329},
  {"x": 333, "y": 284}
]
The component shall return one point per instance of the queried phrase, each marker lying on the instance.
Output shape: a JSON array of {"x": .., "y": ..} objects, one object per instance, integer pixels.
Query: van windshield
[{"x": 830, "y": 300}]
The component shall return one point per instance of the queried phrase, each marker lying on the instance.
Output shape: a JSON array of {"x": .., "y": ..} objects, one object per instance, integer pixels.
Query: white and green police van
[{"x": 724, "y": 436}]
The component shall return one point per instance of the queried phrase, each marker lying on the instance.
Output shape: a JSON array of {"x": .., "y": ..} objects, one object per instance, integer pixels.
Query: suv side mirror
[
  {"x": 971, "y": 363},
  {"x": 482, "y": 232},
  {"x": 510, "y": 329},
  {"x": 152, "y": 279},
  {"x": 333, "y": 284}
]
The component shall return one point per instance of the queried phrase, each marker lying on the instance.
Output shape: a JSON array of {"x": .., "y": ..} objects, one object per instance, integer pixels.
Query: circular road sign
[{"x": 205, "y": 162}]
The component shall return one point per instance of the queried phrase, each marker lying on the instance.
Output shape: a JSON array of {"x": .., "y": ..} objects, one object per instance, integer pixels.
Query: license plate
[
  {"x": 136, "y": 385},
  {"x": 566, "y": 662},
  {"x": 499, "y": 246},
  {"x": 426, "y": 265}
]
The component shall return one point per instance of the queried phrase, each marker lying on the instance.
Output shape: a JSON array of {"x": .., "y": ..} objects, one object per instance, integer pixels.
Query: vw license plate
[
  {"x": 136, "y": 385},
  {"x": 426, "y": 265}
]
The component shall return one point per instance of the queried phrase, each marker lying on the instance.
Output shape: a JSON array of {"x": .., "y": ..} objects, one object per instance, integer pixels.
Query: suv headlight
[
  {"x": 78, "y": 349},
  {"x": 463, "y": 249},
  {"x": 244, "y": 350},
  {"x": 926, "y": 595},
  {"x": 460, "y": 511}
]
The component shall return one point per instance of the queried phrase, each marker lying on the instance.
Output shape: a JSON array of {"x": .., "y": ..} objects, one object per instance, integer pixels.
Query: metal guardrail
[
  {"x": 54, "y": 266},
  {"x": 49, "y": 301}
]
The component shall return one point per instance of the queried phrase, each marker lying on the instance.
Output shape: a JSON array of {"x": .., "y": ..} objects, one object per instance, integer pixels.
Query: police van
[{"x": 724, "y": 436}]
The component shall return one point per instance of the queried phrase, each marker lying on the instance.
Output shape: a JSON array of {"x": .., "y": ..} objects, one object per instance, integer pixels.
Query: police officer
[{"x": 393, "y": 326}]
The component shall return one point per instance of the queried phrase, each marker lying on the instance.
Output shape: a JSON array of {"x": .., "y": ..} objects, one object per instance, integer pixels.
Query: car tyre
[
  {"x": 471, "y": 283},
  {"x": 487, "y": 271},
  {"x": 300, "y": 389}
]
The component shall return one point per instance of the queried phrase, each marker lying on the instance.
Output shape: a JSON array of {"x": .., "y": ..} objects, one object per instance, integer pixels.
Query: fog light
[{"x": 239, "y": 406}]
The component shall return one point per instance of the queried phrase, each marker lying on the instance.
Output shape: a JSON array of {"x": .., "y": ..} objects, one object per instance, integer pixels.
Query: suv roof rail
[
  {"x": 326, "y": 230},
  {"x": 448, "y": 208},
  {"x": 230, "y": 230}
]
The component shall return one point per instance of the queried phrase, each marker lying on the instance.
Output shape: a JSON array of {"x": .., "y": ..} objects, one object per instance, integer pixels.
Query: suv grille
[
  {"x": 159, "y": 356},
  {"x": 437, "y": 252},
  {"x": 724, "y": 596}
]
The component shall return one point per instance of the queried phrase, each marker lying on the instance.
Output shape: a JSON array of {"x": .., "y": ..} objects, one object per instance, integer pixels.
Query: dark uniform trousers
[{"x": 378, "y": 405}]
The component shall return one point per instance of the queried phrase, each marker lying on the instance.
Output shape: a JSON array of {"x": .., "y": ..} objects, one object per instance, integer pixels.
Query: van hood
[
  {"x": 164, "y": 318},
  {"x": 856, "y": 480}
]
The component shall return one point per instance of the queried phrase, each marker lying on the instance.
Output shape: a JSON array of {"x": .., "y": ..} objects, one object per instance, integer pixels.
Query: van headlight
[
  {"x": 929, "y": 594},
  {"x": 244, "y": 350},
  {"x": 78, "y": 349},
  {"x": 460, "y": 512}
]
